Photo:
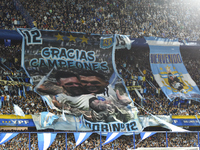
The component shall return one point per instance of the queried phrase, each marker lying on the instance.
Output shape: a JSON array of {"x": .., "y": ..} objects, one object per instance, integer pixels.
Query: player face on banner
[
  {"x": 70, "y": 83},
  {"x": 93, "y": 82},
  {"x": 73, "y": 70}
]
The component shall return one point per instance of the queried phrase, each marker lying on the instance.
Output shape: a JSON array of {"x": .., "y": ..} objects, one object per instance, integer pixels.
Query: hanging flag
[
  {"x": 170, "y": 126},
  {"x": 169, "y": 70},
  {"x": 63, "y": 116},
  {"x": 113, "y": 79},
  {"x": 47, "y": 99},
  {"x": 145, "y": 135},
  {"x": 80, "y": 121},
  {"x": 18, "y": 111},
  {"x": 19, "y": 92},
  {"x": 24, "y": 91},
  {"x": 4, "y": 137},
  {"x": 45, "y": 140},
  {"x": 48, "y": 119},
  {"x": 11, "y": 78},
  {"x": 111, "y": 136},
  {"x": 80, "y": 137}
]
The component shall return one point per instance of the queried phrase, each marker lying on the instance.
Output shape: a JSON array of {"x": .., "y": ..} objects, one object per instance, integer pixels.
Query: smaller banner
[
  {"x": 169, "y": 71},
  {"x": 5, "y": 82},
  {"x": 112, "y": 136},
  {"x": 4, "y": 137},
  {"x": 186, "y": 120},
  {"x": 80, "y": 137},
  {"x": 45, "y": 140},
  {"x": 13, "y": 120},
  {"x": 145, "y": 135},
  {"x": 79, "y": 123}
]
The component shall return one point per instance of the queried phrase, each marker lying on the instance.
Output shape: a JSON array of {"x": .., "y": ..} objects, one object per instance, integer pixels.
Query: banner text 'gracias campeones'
[{"x": 75, "y": 74}]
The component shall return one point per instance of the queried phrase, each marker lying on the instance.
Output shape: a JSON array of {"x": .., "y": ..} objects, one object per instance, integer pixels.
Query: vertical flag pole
[
  {"x": 66, "y": 141},
  {"x": 133, "y": 140},
  {"x": 166, "y": 140},
  {"x": 198, "y": 140},
  {"x": 100, "y": 142},
  {"x": 29, "y": 141}
]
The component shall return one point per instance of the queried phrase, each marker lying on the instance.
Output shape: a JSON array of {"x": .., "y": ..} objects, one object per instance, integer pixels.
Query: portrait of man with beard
[
  {"x": 67, "y": 92},
  {"x": 108, "y": 103},
  {"x": 89, "y": 93}
]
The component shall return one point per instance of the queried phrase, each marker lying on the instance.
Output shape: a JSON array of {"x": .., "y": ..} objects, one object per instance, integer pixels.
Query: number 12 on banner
[{"x": 32, "y": 37}]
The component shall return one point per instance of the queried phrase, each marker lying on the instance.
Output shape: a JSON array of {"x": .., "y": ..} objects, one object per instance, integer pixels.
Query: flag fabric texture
[
  {"x": 48, "y": 119},
  {"x": 80, "y": 137},
  {"x": 45, "y": 140},
  {"x": 18, "y": 111},
  {"x": 111, "y": 136},
  {"x": 145, "y": 135},
  {"x": 4, "y": 137},
  {"x": 19, "y": 92},
  {"x": 24, "y": 91}
]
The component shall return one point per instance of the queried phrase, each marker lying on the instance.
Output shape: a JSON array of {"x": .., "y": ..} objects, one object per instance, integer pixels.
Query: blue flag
[
  {"x": 45, "y": 140},
  {"x": 111, "y": 136},
  {"x": 24, "y": 91},
  {"x": 19, "y": 92},
  {"x": 4, "y": 137},
  {"x": 80, "y": 137},
  {"x": 169, "y": 71},
  {"x": 48, "y": 119},
  {"x": 145, "y": 135}
]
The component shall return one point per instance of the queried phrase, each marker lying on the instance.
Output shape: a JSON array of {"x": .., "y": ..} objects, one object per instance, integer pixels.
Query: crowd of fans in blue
[
  {"x": 137, "y": 18},
  {"x": 93, "y": 142}
]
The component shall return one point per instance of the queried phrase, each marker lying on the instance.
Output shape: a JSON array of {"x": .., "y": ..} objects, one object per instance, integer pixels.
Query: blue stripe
[
  {"x": 110, "y": 134},
  {"x": 2, "y": 135},
  {"x": 78, "y": 135},
  {"x": 42, "y": 140}
]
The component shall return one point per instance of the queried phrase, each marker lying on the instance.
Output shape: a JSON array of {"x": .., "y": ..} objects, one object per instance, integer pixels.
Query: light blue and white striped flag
[
  {"x": 4, "y": 137},
  {"x": 63, "y": 116},
  {"x": 80, "y": 137},
  {"x": 145, "y": 135},
  {"x": 111, "y": 136},
  {"x": 24, "y": 91},
  {"x": 48, "y": 118},
  {"x": 46, "y": 99},
  {"x": 113, "y": 79},
  {"x": 19, "y": 92},
  {"x": 18, "y": 111},
  {"x": 45, "y": 140}
]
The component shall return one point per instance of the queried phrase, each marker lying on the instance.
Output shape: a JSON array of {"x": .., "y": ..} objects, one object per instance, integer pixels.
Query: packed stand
[
  {"x": 134, "y": 67},
  {"x": 135, "y": 72},
  {"x": 171, "y": 19},
  {"x": 10, "y": 17},
  {"x": 93, "y": 142}
]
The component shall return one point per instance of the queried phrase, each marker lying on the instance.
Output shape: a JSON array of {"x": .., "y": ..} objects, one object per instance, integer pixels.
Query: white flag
[{"x": 18, "y": 111}]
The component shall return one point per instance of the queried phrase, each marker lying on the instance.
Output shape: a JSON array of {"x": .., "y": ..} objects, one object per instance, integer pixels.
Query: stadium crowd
[
  {"x": 137, "y": 18},
  {"x": 21, "y": 142},
  {"x": 171, "y": 19},
  {"x": 134, "y": 72}
]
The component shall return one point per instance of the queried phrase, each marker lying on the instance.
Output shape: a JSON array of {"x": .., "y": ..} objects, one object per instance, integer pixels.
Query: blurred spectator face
[
  {"x": 72, "y": 85},
  {"x": 93, "y": 84}
]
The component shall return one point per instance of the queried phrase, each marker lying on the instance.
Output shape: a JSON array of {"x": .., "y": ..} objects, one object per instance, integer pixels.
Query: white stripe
[
  {"x": 47, "y": 139},
  {"x": 80, "y": 138},
  {"x": 111, "y": 137},
  {"x": 146, "y": 135},
  {"x": 163, "y": 43},
  {"x": 114, "y": 79},
  {"x": 171, "y": 126},
  {"x": 185, "y": 77},
  {"x": 6, "y": 137}
]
